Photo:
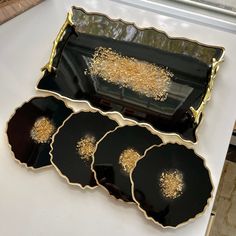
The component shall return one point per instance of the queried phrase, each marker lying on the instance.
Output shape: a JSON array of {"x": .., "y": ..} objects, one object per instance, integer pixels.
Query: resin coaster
[
  {"x": 171, "y": 185},
  {"x": 74, "y": 144},
  {"x": 116, "y": 156},
  {"x": 143, "y": 74},
  {"x": 31, "y": 127}
]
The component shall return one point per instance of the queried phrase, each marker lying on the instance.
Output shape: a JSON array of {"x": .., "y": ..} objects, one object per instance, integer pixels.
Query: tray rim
[{"x": 196, "y": 113}]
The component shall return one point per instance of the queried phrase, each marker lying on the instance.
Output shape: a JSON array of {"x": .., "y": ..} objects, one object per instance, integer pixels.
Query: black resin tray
[{"x": 193, "y": 65}]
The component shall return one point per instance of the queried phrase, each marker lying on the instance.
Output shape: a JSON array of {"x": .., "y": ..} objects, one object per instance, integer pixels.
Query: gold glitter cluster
[
  {"x": 172, "y": 184},
  {"x": 86, "y": 147},
  {"x": 142, "y": 77},
  {"x": 128, "y": 159},
  {"x": 42, "y": 130}
]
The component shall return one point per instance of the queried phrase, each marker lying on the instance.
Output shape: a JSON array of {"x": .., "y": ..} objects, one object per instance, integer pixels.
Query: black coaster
[
  {"x": 30, "y": 129},
  {"x": 75, "y": 143},
  {"x": 116, "y": 156},
  {"x": 171, "y": 184}
]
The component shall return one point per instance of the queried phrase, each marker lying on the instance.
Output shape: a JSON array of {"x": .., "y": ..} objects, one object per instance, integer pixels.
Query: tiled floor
[{"x": 225, "y": 204}]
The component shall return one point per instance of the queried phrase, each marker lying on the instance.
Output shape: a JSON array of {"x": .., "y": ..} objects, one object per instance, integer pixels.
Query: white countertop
[{"x": 41, "y": 202}]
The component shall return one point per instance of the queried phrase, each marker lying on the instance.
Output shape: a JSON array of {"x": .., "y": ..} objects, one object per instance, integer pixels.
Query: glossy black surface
[
  {"x": 197, "y": 190},
  {"x": 190, "y": 63},
  {"x": 100, "y": 25},
  {"x": 109, "y": 172},
  {"x": 64, "y": 154},
  {"x": 25, "y": 149}
]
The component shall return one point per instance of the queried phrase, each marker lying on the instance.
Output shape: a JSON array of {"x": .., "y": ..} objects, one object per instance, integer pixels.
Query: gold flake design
[
  {"x": 86, "y": 147},
  {"x": 128, "y": 159},
  {"x": 140, "y": 76},
  {"x": 171, "y": 183},
  {"x": 42, "y": 130}
]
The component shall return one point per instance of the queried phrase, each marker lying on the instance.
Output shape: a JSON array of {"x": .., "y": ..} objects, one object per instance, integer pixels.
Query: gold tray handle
[
  {"x": 197, "y": 113},
  {"x": 60, "y": 35}
]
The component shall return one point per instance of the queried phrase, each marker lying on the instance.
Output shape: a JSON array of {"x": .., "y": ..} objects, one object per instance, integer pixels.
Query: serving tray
[{"x": 193, "y": 67}]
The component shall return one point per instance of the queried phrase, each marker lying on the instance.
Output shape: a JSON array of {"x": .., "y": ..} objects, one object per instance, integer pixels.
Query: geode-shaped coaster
[
  {"x": 74, "y": 144},
  {"x": 31, "y": 127},
  {"x": 171, "y": 185},
  {"x": 116, "y": 156}
]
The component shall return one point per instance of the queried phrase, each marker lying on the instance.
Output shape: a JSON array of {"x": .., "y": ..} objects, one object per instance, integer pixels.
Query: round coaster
[
  {"x": 116, "y": 156},
  {"x": 171, "y": 184},
  {"x": 74, "y": 144},
  {"x": 31, "y": 127}
]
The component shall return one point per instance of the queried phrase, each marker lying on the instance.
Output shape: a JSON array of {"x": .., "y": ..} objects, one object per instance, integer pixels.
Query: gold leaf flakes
[
  {"x": 42, "y": 130},
  {"x": 128, "y": 159},
  {"x": 86, "y": 147},
  {"x": 171, "y": 183},
  {"x": 142, "y": 77}
]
